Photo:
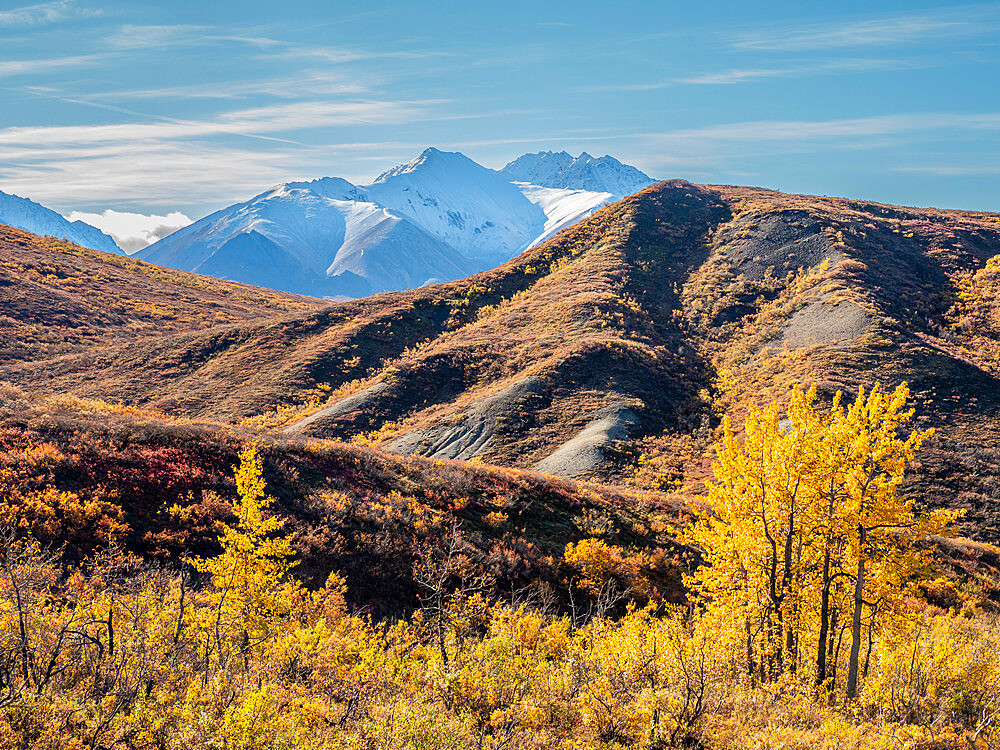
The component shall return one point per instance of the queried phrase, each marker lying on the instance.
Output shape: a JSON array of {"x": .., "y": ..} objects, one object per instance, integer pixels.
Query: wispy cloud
[
  {"x": 145, "y": 176},
  {"x": 45, "y": 13},
  {"x": 823, "y": 130},
  {"x": 173, "y": 162},
  {"x": 141, "y": 176},
  {"x": 744, "y": 75},
  {"x": 896, "y": 29},
  {"x": 625, "y": 87},
  {"x": 142, "y": 36},
  {"x": 251, "y": 122},
  {"x": 330, "y": 55},
  {"x": 829, "y": 67},
  {"x": 10, "y": 68},
  {"x": 303, "y": 85},
  {"x": 726, "y": 149},
  {"x": 946, "y": 170},
  {"x": 339, "y": 55},
  {"x": 132, "y": 36}
]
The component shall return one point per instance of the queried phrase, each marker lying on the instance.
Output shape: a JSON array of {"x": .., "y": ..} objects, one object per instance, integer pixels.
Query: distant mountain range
[
  {"x": 583, "y": 172},
  {"x": 436, "y": 218},
  {"x": 35, "y": 218}
]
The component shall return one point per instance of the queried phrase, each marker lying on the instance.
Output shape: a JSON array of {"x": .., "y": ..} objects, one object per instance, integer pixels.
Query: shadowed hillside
[{"x": 630, "y": 333}]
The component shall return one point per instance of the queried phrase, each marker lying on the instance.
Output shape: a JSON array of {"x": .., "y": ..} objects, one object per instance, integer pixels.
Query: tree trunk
[
  {"x": 859, "y": 591},
  {"x": 832, "y": 650},
  {"x": 441, "y": 633},
  {"x": 824, "y": 622},
  {"x": 786, "y": 581}
]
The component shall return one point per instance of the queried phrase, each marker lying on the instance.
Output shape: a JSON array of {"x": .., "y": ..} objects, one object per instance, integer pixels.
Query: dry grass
[{"x": 57, "y": 298}]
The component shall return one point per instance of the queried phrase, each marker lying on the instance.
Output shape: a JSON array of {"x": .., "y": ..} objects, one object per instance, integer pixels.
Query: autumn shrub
[
  {"x": 31, "y": 503},
  {"x": 941, "y": 668},
  {"x": 234, "y": 652}
]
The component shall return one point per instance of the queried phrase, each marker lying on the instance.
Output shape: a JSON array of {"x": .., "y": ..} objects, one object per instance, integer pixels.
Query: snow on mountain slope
[
  {"x": 37, "y": 219},
  {"x": 562, "y": 208},
  {"x": 438, "y": 217},
  {"x": 479, "y": 211},
  {"x": 584, "y": 172},
  {"x": 393, "y": 251},
  {"x": 318, "y": 238},
  {"x": 470, "y": 207}
]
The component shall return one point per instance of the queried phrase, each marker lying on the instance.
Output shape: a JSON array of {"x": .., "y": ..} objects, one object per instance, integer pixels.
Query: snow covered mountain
[
  {"x": 438, "y": 217},
  {"x": 37, "y": 219},
  {"x": 584, "y": 172},
  {"x": 321, "y": 238},
  {"x": 472, "y": 208}
]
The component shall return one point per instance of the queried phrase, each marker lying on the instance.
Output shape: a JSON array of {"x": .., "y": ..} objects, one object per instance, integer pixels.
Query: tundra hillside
[{"x": 620, "y": 342}]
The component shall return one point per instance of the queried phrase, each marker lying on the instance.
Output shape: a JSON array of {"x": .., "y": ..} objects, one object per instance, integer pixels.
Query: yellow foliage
[
  {"x": 115, "y": 653},
  {"x": 248, "y": 578},
  {"x": 596, "y": 561},
  {"x": 803, "y": 528}
]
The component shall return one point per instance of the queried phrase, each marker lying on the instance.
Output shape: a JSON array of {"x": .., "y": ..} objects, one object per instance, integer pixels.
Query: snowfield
[{"x": 561, "y": 207}]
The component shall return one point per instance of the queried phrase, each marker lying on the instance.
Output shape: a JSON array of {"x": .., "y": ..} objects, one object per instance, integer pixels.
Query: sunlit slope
[
  {"x": 82, "y": 474},
  {"x": 57, "y": 297},
  {"x": 631, "y": 332}
]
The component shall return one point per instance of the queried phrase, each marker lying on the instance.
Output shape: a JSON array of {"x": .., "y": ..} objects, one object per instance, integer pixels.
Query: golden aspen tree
[
  {"x": 880, "y": 524},
  {"x": 754, "y": 528},
  {"x": 248, "y": 589},
  {"x": 802, "y": 523}
]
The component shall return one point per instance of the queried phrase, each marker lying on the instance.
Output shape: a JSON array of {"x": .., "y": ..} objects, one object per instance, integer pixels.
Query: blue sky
[{"x": 156, "y": 107}]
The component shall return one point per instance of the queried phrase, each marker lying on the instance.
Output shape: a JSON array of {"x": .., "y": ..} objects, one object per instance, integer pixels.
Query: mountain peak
[
  {"x": 23, "y": 213},
  {"x": 430, "y": 157},
  {"x": 584, "y": 172},
  {"x": 335, "y": 188},
  {"x": 474, "y": 209}
]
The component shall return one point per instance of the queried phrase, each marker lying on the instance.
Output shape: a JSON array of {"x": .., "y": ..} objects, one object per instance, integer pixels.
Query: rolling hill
[
  {"x": 58, "y": 297},
  {"x": 82, "y": 473},
  {"x": 628, "y": 334}
]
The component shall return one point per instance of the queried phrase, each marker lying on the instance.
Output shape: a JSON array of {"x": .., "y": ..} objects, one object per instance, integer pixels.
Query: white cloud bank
[{"x": 131, "y": 231}]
